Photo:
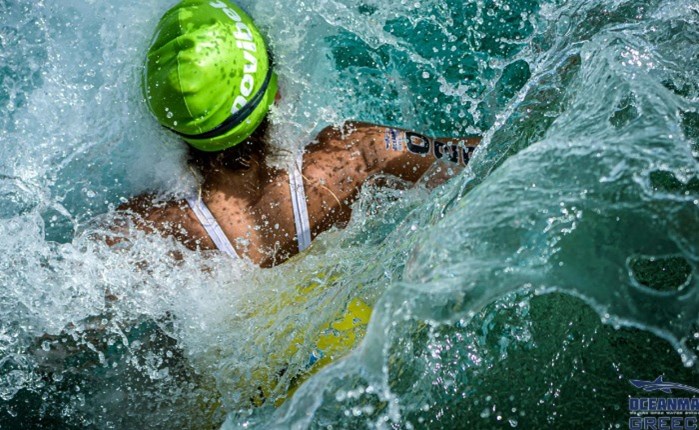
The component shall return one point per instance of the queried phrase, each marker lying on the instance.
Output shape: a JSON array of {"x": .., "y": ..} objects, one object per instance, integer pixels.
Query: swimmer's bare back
[{"x": 253, "y": 205}]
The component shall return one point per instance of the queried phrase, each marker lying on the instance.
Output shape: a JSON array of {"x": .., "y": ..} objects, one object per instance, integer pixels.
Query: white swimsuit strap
[
  {"x": 211, "y": 226},
  {"x": 298, "y": 201}
]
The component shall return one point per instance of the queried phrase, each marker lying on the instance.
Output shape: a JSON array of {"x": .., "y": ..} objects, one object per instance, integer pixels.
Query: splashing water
[{"x": 524, "y": 293}]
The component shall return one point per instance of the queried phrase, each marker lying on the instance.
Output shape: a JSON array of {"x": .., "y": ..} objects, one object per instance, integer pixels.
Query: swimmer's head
[{"x": 208, "y": 76}]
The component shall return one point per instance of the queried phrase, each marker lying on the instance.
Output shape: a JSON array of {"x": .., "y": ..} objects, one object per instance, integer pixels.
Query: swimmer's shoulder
[
  {"x": 362, "y": 149},
  {"x": 346, "y": 137},
  {"x": 346, "y": 143},
  {"x": 337, "y": 157},
  {"x": 167, "y": 218}
]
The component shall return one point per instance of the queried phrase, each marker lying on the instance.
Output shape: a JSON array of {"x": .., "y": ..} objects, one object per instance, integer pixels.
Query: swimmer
[{"x": 209, "y": 78}]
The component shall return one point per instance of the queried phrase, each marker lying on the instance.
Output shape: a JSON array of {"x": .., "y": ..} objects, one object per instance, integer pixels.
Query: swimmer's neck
[
  {"x": 235, "y": 178},
  {"x": 244, "y": 159}
]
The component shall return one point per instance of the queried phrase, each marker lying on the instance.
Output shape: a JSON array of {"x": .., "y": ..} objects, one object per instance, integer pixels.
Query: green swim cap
[{"x": 208, "y": 76}]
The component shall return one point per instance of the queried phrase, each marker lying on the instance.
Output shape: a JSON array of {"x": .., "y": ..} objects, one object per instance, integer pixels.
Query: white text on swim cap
[{"x": 244, "y": 41}]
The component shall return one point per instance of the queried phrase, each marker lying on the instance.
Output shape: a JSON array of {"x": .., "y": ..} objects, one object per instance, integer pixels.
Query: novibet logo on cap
[
  {"x": 244, "y": 41},
  {"x": 663, "y": 413}
]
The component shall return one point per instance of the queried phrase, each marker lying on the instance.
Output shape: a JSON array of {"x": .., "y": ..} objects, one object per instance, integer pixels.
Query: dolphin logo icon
[{"x": 660, "y": 385}]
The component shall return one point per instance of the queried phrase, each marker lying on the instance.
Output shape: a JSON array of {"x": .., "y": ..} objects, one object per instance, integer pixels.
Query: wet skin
[{"x": 253, "y": 205}]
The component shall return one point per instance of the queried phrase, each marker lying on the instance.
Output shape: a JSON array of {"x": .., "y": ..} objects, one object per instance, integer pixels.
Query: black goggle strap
[{"x": 239, "y": 116}]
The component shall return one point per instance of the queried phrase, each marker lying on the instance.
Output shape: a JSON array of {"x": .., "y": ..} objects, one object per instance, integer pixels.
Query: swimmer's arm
[
  {"x": 407, "y": 154},
  {"x": 341, "y": 159}
]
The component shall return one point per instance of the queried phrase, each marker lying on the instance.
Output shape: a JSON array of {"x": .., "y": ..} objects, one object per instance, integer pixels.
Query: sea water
[{"x": 526, "y": 292}]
